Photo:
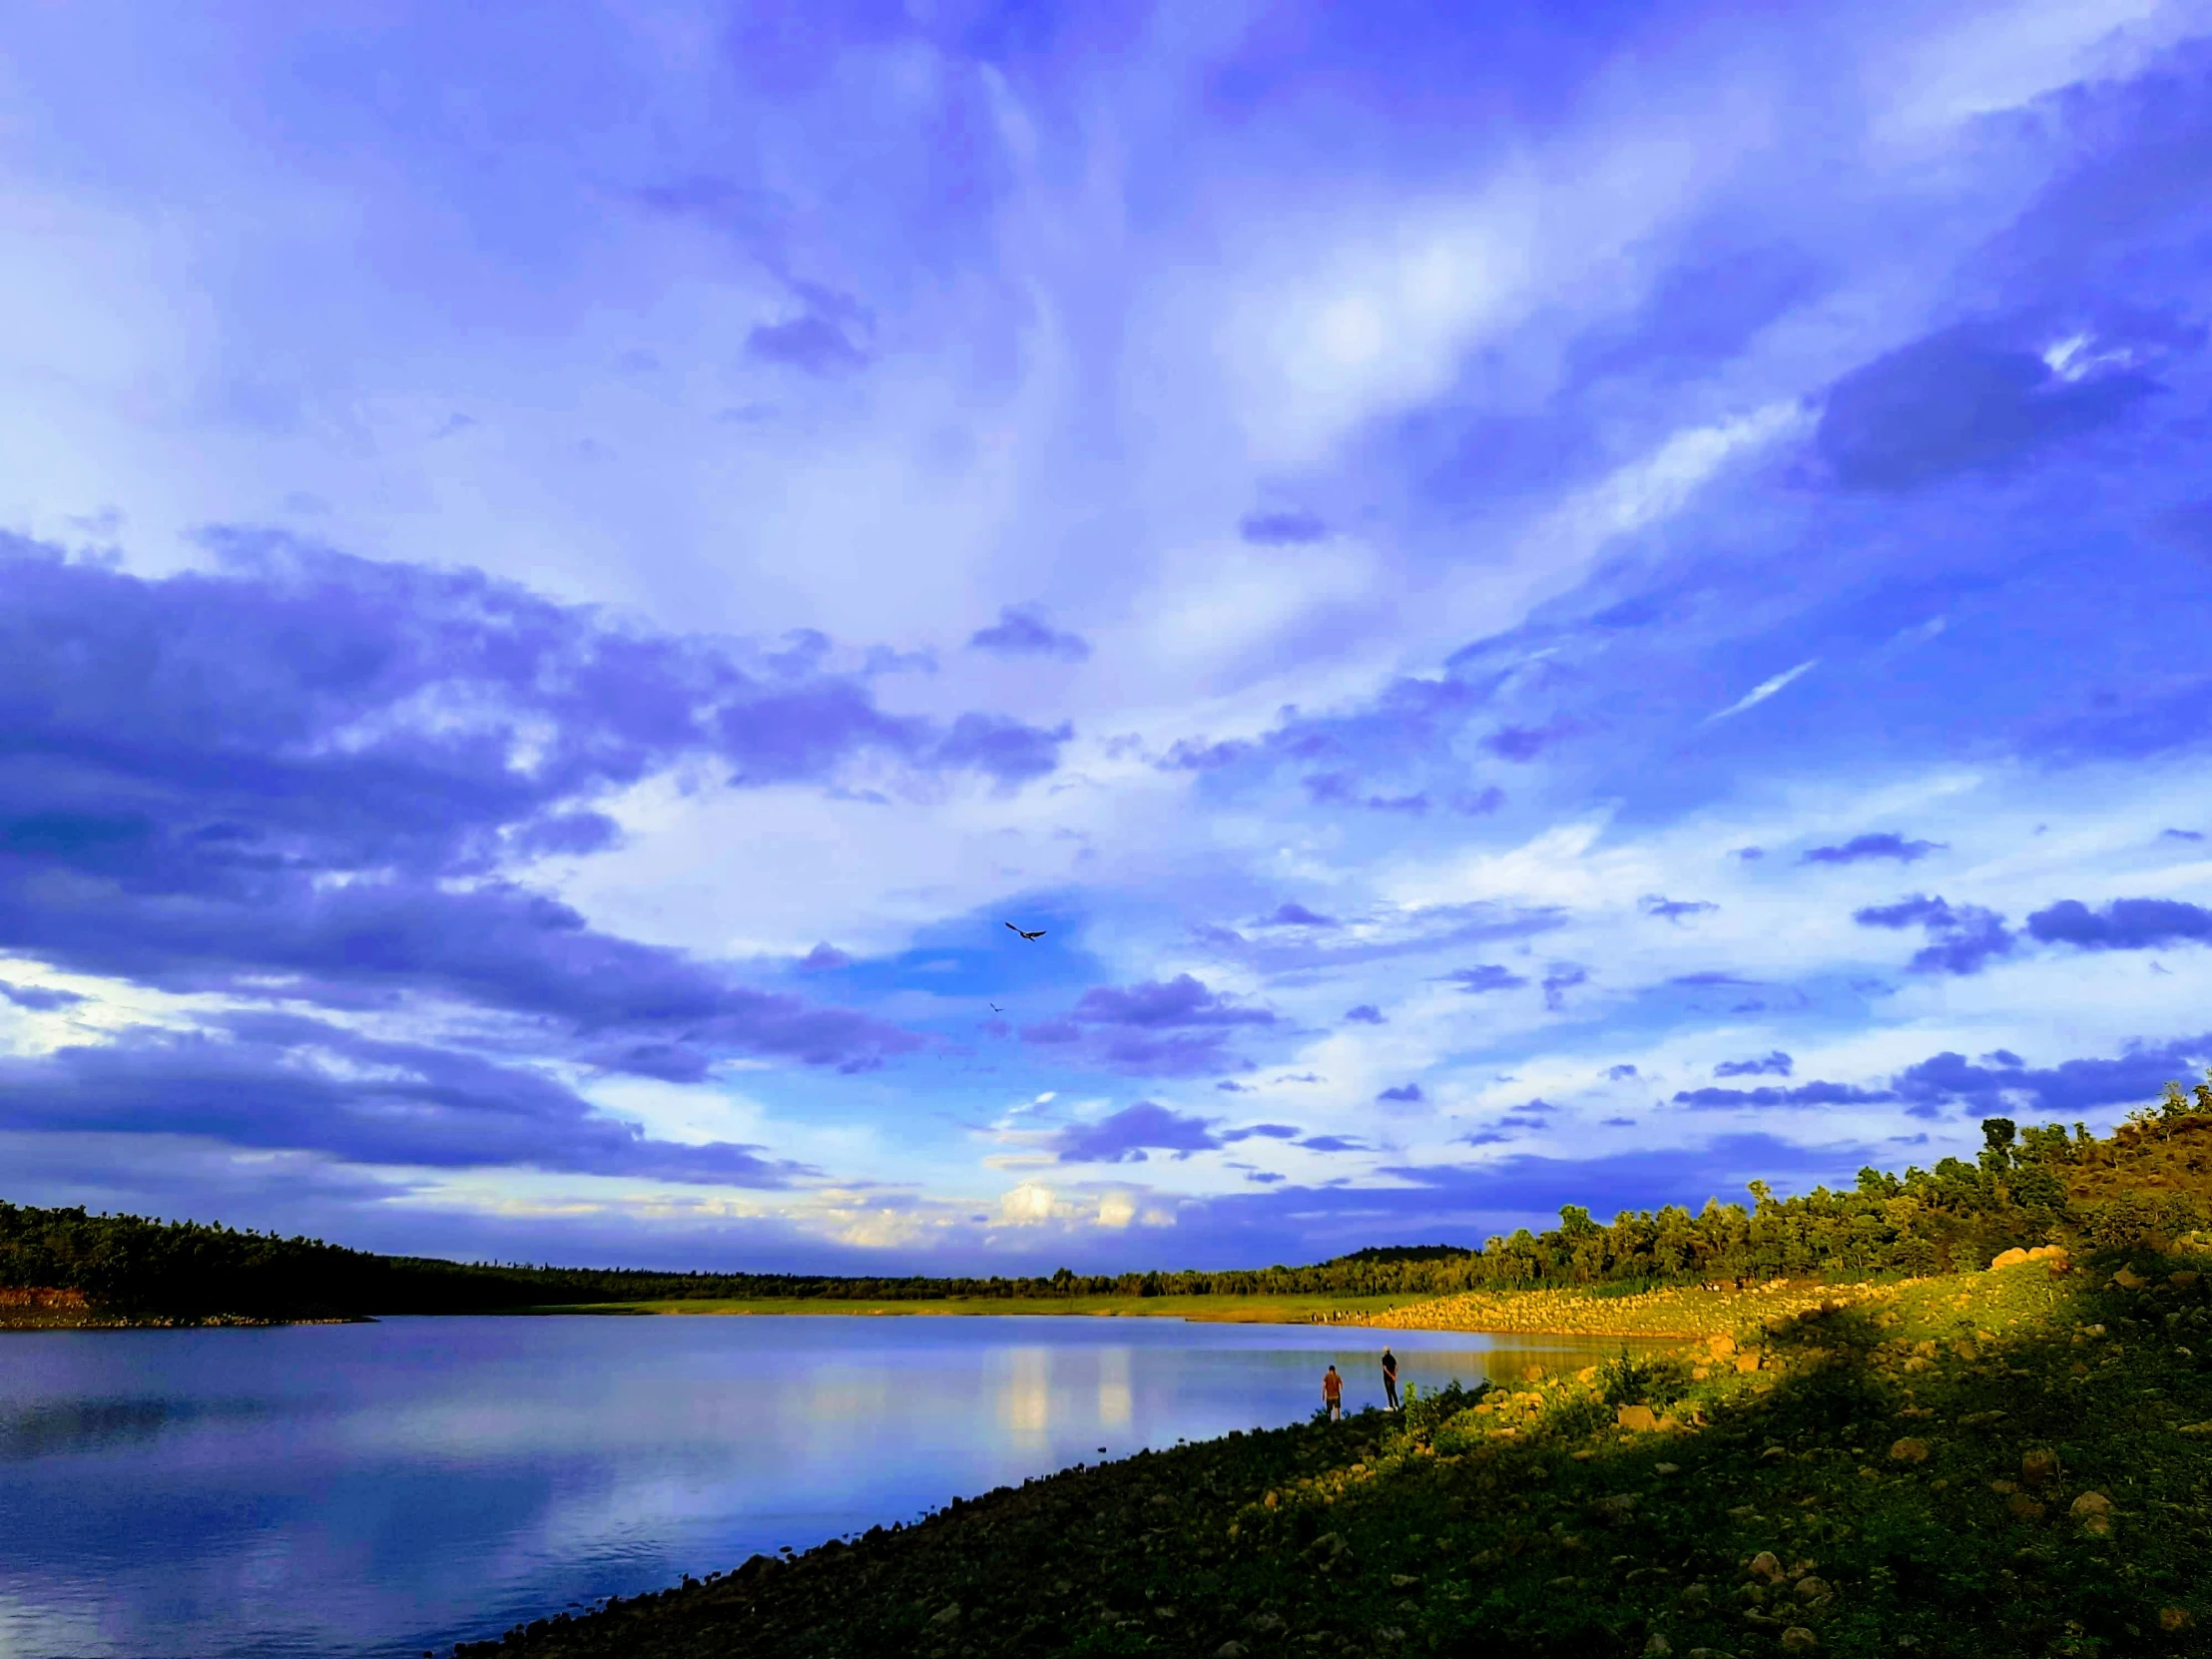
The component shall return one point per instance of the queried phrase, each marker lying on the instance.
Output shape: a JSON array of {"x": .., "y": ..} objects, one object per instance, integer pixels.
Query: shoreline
[
  {"x": 168, "y": 1322},
  {"x": 1958, "y": 1466}
]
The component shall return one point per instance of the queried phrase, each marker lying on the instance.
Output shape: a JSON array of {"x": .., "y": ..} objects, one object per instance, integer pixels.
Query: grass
[
  {"x": 2008, "y": 1463},
  {"x": 1676, "y": 1310},
  {"x": 1232, "y": 1310}
]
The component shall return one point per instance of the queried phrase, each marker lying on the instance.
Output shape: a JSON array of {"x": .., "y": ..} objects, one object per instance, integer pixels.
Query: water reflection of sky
[{"x": 391, "y": 1488}]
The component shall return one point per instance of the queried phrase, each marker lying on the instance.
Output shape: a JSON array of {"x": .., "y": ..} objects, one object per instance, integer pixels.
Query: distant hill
[{"x": 2146, "y": 1183}]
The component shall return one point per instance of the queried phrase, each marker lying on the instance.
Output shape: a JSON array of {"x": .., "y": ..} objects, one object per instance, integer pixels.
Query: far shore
[
  {"x": 1678, "y": 1314},
  {"x": 1683, "y": 1313},
  {"x": 1218, "y": 1310}
]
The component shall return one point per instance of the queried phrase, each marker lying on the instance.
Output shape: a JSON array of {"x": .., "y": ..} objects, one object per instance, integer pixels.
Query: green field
[{"x": 1228, "y": 1309}]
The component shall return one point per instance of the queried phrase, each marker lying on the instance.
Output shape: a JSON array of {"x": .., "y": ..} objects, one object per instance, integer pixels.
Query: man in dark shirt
[
  {"x": 1390, "y": 1376},
  {"x": 1332, "y": 1393}
]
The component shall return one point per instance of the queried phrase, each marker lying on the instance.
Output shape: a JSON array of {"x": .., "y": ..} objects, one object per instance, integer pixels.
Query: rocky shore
[{"x": 35, "y": 1309}]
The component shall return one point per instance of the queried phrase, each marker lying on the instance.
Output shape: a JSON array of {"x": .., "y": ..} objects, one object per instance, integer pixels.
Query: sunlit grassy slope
[{"x": 2009, "y": 1462}]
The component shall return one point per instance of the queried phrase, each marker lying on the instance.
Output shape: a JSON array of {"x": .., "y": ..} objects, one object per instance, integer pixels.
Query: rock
[
  {"x": 1908, "y": 1450},
  {"x": 2197, "y": 1427},
  {"x": 1658, "y": 1645},
  {"x": 1774, "y": 1454},
  {"x": 1615, "y": 1510},
  {"x": 1720, "y": 1348},
  {"x": 1748, "y": 1360},
  {"x": 2184, "y": 1279},
  {"x": 2008, "y": 1259},
  {"x": 2048, "y": 1252},
  {"x": 1231, "y": 1649},
  {"x": 2024, "y": 1508},
  {"x": 2037, "y": 1465},
  {"x": 2093, "y": 1511},
  {"x": 1797, "y": 1639},
  {"x": 1699, "y": 1374},
  {"x": 1809, "y": 1588},
  {"x": 2171, "y": 1620},
  {"x": 2129, "y": 1280},
  {"x": 948, "y": 1617},
  {"x": 1640, "y": 1418},
  {"x": 1696, "y": 1596},
  {"x": 1266, "y": 1624},
  {"x": 1766, "y": 1566},
  {"x": 1404, "y": 1581},
  {"x": 1666, "y": 1468}
]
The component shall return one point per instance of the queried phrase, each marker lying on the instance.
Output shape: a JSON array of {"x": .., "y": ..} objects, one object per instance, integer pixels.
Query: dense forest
[{"x": 2147, "y": 1182}]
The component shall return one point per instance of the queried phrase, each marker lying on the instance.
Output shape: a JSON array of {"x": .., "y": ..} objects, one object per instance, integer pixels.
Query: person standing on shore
[
  {"x": 1390, "y": 1376},
  {"x": 1332, "y": 1393}
]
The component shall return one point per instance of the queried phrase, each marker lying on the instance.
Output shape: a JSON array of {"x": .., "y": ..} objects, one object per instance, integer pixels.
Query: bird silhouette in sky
[
  {"x": 994, "y": 1007},
  {"x": 1038, "y": 934}
]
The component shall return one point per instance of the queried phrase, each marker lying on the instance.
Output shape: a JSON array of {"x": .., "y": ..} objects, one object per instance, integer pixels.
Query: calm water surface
[{"x": 391, "y": 1487}]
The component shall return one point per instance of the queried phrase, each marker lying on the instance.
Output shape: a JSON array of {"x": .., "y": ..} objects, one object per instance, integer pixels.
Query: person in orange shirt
[{"x": 1332, "y": 1393}]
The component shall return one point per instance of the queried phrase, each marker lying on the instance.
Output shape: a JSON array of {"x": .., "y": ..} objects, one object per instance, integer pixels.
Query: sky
[{"x": 1543, "y": 604}]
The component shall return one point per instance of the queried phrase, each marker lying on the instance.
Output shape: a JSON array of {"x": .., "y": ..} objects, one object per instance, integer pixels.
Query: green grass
[
  {"x": 1236, "y": 1310},
  {"x": 1991, "y": 1464}
]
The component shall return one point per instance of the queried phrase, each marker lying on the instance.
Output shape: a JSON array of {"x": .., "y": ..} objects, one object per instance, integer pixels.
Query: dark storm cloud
[
  {"x": 1522, "y": 744},
  {"x": 1563, "y": 978},
  {"x": 39, "y": 999},
  {"x": 1128, "y": 1135},
  {"x": 300, "y": 773},
  {"x": 1862, "y": 848},
  {"x": 1803, "y": 1094},
  {"x": 1957, "y": 401},
  {"x": 1673, "y": 909},
  {"x": 1020, "y": 631},
  {"x": 2135, "y": 1077},
  {"x": 1164, "y": 1028},
  {"x": 1282, "y": 529},
  {"x": 1339, "y": 788},
  {"x": 270, "y": 1082},
  {"x": 1962, "y": 937},
  {"x": 1776, "y": 1064},
  {"x": 1485, "y": 976},
  {"x": 813, "y": 344},
  {"x": 2121, "y": 924}
]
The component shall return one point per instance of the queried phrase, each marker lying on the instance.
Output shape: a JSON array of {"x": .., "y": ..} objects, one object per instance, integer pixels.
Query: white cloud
[{"x": 1765, "y": 689}]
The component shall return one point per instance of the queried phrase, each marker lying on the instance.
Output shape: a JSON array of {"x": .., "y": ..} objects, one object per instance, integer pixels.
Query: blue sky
[{"x": 1577, "y": 604}]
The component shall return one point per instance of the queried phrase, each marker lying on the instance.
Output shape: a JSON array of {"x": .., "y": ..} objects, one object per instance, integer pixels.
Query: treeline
[{"x": 2145, "y": 1182}]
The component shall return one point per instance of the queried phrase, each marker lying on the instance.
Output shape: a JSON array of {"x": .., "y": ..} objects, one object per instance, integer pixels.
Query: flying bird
[
  {"x": 994, "y": 1007},
  {"x": 1038, "y": 934}
]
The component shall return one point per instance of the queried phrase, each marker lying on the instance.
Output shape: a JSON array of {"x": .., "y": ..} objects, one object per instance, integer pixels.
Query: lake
[{"x": 400, "y": 1486}]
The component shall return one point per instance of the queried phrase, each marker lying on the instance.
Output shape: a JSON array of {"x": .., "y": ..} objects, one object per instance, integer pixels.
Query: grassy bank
[
  {"x": 1238, "y": 1310},
  {"x": 1676, "y": 1310},
  {"x": 2009, "y": 1462}
]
